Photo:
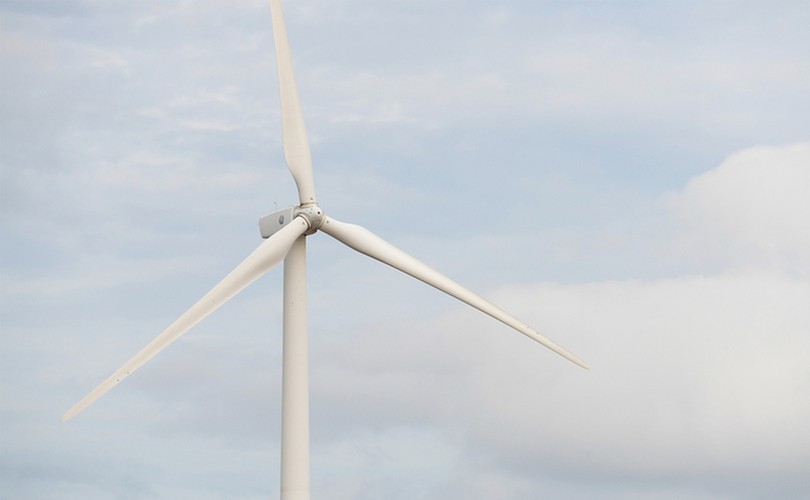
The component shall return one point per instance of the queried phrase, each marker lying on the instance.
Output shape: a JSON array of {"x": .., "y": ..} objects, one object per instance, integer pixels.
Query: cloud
[
  {"x": 703, "y": 379},
  {"x": 751, "y": 211},
  {"x": 700, "y": 375},
  {"x": 700, "y": 380}
]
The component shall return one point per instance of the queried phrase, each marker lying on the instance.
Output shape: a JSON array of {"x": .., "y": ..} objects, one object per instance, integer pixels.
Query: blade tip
[
  {"x": 70, "y": 414},
  {"x": 579, "y": 362}
]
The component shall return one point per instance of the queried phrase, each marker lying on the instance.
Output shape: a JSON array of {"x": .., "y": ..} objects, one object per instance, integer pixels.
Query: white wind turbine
[{"x": 285, "y": 232}]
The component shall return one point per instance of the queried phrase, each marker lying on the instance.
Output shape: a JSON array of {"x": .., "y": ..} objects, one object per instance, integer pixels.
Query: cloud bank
[{"x": 699, "y": 383}]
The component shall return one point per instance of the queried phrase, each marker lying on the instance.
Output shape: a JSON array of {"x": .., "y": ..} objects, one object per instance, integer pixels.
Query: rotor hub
[{"x": 313, "y": 214}]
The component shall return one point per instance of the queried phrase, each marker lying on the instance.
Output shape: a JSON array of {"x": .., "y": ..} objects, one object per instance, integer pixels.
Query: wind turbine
[{"x": 285, "y": 234}]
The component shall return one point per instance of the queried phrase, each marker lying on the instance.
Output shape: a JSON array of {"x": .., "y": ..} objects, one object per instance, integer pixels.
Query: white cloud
[
  {"x": 752, "y": 210},
  {"x": 699, "y": 379},
  {"x": 703, "y": 374},
  {"x": 695, "y": 377}
]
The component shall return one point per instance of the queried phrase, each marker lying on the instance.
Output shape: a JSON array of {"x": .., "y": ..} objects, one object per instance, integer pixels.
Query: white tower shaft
[{"x": 295, "y": 392}]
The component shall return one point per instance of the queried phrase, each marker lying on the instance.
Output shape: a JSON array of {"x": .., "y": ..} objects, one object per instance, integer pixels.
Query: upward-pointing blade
[
  {"x": 366, "y": 242},
  {"x": 269, "y": 253},
  {"x": 294, "y": 133}
]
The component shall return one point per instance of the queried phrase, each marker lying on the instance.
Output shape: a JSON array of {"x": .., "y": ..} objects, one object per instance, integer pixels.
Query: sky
[{"x": 631, "y": 178}]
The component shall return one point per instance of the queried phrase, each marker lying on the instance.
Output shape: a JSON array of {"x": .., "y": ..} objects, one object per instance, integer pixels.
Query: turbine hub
[{"x": 313, "y": 214}]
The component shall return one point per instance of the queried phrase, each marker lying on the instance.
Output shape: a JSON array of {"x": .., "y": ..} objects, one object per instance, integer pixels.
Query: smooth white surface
[
  {"x": 269, "y": 253},
  {"x": 271, "y": 223},
  {"x": 296, "y": 144},
  {"x": 366, "y": 242},
  {"x": 295, "y": 377}
]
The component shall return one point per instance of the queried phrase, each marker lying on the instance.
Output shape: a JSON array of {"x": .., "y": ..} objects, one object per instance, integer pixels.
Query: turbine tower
[{"x": 285, "y": 234}]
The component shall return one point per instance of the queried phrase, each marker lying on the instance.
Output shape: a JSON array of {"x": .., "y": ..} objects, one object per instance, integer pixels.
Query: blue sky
[{"x": 630, "y": 178}]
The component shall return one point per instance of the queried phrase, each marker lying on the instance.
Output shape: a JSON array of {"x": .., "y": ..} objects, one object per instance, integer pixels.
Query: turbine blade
[
  {"x": 267, "y": 255},
  {"x": 366, "y": 242},
  {"x": 294, "y": 133}
]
